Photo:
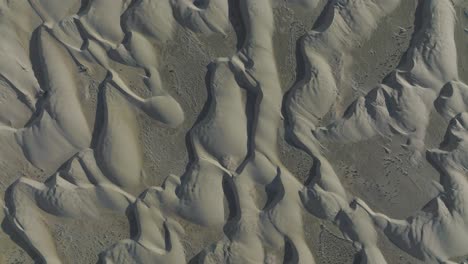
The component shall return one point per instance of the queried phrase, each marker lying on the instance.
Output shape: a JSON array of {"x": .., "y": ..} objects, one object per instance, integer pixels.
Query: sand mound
[{"x": 167, "y": 130}]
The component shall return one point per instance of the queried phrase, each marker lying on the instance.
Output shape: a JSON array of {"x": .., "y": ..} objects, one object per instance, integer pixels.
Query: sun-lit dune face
[
  {"x": 234, "y": 131},
  {"x": 152, "y": 19},
  {"x": 202, "y": 16}
]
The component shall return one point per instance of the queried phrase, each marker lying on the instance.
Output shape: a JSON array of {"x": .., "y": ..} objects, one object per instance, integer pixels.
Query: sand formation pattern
[{"x": 234, "y": 182}]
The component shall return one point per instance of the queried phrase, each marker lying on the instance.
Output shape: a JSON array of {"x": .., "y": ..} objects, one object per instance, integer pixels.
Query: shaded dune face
[
  {"x": 147, "y": 131},
  {"x": 408, "y": 92}
]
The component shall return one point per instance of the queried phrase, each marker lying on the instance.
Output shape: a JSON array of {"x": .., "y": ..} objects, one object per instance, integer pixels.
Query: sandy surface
[{"x": 234, "y": 131}]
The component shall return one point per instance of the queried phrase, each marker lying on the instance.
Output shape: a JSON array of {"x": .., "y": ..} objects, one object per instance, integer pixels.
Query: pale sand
[{"x": 234, "y": 131}]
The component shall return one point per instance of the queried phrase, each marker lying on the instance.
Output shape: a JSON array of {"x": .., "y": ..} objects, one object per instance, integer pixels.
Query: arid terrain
[{"x": 234, "y": 131}]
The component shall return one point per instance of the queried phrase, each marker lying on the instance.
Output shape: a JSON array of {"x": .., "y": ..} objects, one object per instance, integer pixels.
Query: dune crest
[{"x": 166, "y": 131}]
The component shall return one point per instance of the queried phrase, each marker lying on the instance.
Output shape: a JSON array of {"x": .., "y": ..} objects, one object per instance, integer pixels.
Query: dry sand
[{"x": 234, "y": 131}]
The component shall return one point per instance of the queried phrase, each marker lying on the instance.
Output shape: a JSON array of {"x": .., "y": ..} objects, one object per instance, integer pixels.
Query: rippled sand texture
[{"x": 234, "y": 131}]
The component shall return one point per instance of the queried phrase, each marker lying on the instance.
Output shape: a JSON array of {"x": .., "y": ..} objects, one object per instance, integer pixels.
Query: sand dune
[{"x": 96, "y": 95}]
